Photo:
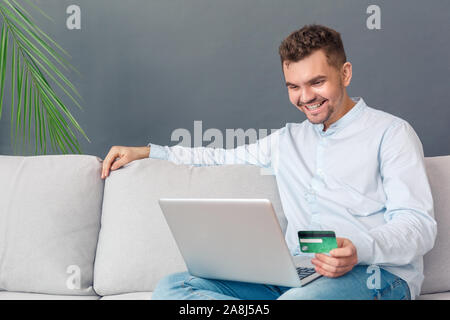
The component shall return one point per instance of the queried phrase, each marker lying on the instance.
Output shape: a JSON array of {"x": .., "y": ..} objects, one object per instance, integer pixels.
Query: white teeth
[{"x": 314, "y": 107}]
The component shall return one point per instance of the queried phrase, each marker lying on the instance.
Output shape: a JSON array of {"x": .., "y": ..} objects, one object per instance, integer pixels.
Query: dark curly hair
[{"x": 301, "y": 43}]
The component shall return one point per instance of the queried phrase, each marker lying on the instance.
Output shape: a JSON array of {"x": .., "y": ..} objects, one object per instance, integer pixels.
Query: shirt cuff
[
  {"x": 364, "y": 250},
  {"x": 158, "y": 152}
]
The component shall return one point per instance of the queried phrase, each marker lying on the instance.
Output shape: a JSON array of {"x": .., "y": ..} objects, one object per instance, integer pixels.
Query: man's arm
[
  {"x": 410, "y": 229},
  {"x": 261, "y": 153}
]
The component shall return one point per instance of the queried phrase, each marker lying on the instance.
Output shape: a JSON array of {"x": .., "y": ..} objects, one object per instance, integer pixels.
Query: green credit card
[{"x": 317, "y": 241}]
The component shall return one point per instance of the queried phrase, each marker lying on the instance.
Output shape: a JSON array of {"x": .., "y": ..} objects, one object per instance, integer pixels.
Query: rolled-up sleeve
[{"x": 158, "y": 152}]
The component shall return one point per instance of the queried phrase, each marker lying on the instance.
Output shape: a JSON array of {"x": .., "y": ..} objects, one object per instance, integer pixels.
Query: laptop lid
[{"x": 231, "y": 239}]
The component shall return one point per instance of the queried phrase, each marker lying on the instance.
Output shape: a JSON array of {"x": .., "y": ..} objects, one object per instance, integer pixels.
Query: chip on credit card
[{"x": 317, "y": 241}]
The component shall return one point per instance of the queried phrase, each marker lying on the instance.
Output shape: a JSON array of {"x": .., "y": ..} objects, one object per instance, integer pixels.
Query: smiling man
[
  {"x": 349, "y": 168},
  {"x": 317, "y": 88}
]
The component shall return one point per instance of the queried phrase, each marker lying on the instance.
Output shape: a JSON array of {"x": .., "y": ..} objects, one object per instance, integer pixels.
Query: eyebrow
[{"x": 316, "y": 78}]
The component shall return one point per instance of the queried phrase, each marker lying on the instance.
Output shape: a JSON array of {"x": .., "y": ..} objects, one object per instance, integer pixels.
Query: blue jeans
[{"x": 352, "y": 286}]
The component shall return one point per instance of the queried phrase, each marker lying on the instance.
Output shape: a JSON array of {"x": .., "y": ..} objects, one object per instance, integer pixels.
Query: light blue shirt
[{"x": 364, "y": 177}]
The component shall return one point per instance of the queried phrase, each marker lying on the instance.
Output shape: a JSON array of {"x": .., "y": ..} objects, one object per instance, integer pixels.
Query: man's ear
[{"x": 346, "y": 74}]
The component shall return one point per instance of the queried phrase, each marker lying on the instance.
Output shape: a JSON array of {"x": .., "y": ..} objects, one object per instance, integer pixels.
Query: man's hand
[
  {"x": 342, "y": 259},
  {"x": 118, "y": 156}
]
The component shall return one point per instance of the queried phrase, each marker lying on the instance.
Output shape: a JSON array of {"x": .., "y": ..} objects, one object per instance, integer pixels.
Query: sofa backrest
[
  {"x": 437, "y": 261},
  {"x": 50, "y": 209}
]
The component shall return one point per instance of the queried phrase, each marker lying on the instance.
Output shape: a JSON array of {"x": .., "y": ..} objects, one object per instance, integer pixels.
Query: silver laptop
[{"x": 235, "y": 239}]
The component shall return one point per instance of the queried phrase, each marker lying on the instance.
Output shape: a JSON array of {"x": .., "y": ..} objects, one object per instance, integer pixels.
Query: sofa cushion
[
  {"x": 437, "y": 261},
  {"x": 50, "y": 209},
  {"x": 7, "y": 295},
  {"x": 136, "y": 248},
  {"x": 435, "y": 296},
  {"x": 130, "y": 296}
]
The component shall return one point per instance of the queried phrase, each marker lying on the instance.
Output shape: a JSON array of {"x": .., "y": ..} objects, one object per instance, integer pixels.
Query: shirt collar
[{"x": 346, "y": 118}]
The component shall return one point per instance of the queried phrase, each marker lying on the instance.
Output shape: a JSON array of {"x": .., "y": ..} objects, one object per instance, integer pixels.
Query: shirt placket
[{"x": 317, "y": 183}]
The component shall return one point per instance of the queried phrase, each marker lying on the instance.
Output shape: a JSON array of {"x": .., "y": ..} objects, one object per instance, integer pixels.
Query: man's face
[{"x": 318, "y": 89}]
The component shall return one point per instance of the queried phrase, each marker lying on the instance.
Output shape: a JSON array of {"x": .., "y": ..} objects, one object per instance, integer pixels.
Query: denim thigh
[
  {"x": 185, "y": 286},
  {"x": 354, "y": 285},
  {"x": 357, "y": 284}
]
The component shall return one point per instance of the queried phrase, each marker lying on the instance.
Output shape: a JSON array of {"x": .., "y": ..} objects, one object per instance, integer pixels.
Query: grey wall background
[{"x": 151, "y": 66}]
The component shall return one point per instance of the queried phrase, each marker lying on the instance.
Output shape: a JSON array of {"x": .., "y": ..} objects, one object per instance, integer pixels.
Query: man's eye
[{"x": 318, "y": 82}]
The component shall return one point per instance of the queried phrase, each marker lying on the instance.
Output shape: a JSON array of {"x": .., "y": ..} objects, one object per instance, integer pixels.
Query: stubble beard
[{"x": 330, "y": 111}]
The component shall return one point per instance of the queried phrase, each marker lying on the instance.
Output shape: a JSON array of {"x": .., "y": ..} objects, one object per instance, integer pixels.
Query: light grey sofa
[{"x": 67, "y": 234}]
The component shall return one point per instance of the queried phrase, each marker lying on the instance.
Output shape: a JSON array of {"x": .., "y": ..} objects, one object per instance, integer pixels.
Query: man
[{"x": 348, "y": 168}]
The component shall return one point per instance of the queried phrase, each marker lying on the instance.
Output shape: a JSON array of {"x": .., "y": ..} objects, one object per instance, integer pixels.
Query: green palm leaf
[{"x": 36, "y": 62}]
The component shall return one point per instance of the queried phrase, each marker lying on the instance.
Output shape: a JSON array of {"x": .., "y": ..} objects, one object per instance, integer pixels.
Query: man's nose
[{"x": 306, "y": 97}]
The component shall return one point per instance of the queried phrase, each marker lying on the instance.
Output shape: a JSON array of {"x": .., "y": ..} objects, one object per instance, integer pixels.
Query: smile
[{"x": 315, "y": 106}]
